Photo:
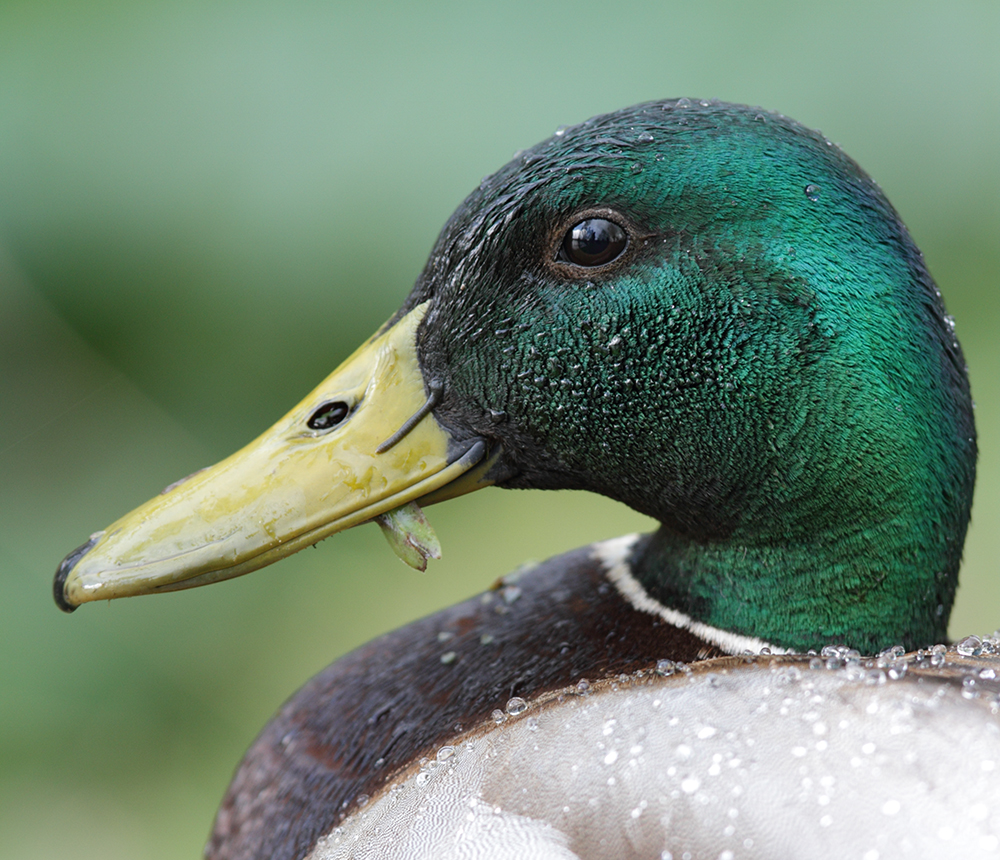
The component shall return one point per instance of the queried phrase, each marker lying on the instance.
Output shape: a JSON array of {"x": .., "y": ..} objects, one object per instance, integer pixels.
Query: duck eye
[
  {"x": 329, "y": 415},
  {"x": 593, "y": 242}
]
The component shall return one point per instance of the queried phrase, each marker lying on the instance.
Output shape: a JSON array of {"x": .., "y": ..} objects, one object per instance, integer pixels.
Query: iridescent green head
[
  {"x": 764, "y": 365},
  {"x": 703, "y": 310}
]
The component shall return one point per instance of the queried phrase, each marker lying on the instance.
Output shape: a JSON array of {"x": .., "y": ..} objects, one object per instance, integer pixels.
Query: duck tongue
[{"x": 409, "y": 534}]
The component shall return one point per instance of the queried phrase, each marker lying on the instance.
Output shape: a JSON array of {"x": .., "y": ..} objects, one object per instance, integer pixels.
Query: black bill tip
[{"x": 63, "y": 571}]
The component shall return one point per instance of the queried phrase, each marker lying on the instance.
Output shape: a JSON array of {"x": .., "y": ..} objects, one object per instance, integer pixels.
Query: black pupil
[
  {"x": 594, "y": 242},
  {"x": 329, "y": 415}
]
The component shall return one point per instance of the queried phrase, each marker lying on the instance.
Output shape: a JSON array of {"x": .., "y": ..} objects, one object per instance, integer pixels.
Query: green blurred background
[{"x": 205, "y": 207}]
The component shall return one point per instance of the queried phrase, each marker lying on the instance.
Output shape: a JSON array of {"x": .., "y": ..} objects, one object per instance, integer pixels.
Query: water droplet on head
[
  {"x": 636, "y": 168},
  {"x": 498, "y": 716},
  {"x": 812, "y": 192},
  {"x": 665, "y": 667},
  {"x": 644, "y": 137},
  {"x": 583, "y": 686}
]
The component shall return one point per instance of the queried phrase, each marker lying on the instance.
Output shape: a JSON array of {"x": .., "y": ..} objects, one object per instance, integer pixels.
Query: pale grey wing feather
[{"x": 770, "y": 760}]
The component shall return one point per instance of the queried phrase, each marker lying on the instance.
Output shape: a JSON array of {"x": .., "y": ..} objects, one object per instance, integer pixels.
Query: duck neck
[{"x": 867, "y": 589}]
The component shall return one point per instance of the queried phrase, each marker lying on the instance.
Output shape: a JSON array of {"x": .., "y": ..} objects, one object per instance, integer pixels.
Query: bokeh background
[{"x": 205, "y": 206}]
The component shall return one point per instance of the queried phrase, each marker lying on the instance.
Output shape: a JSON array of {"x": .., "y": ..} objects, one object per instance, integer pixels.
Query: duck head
[{"x": 705, "y": 311}]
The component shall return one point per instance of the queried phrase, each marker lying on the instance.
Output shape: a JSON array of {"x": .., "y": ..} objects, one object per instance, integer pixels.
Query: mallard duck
[{"x": 707, "y": 312}]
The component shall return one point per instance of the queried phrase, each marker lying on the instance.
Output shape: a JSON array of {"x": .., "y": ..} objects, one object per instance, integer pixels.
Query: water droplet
[
  {"x": 789, "y": 674},
  {"x": 683, "y": 103},
  {"x": 855, "y": 673},
  {"x": 498, "y": 716},
  {"x": 516, "y": 705},
  {"x": 560, "y": 131},
  {"x": 636, "y": 167},
  {"x": 611, "y": 757},
  {"x": 812, "y": 192},
  {"x": 970, "y": 646},
  {"x": 644, "y": 137},
  {"x": 690, "y": 785},
  {"x": 938, "y": 655},
  {"x": 898, "y": 670},
  {"x": 445, "y": 753},
  {"x": 890, "y": 655},
  {"x": 448, "y": 657},
  {"x": 665, "y": 667},
  {"x": 510, "y": 593},
  {"x": 583, "y": 686}
]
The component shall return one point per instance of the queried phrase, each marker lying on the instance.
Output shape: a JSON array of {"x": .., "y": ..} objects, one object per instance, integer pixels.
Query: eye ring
[
  {"x": 328, "y": 415},
  {"x": 593, "y": 242}
]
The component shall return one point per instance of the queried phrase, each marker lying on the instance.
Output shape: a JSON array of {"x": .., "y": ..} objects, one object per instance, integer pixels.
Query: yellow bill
[{"x": 362, "y": 444}]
